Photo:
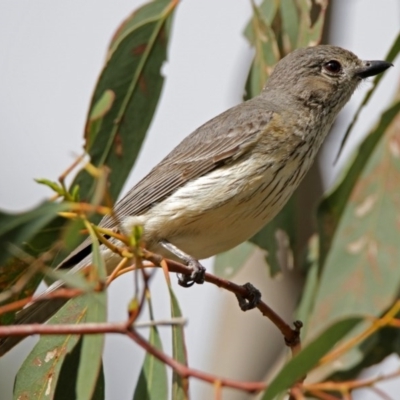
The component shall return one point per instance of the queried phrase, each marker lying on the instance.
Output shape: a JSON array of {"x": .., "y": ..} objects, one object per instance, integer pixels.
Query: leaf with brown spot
[
  {"x": 132, "y": 73},
  {"x": 40, "y": 371},
  {"x": 361, "y": 272}
]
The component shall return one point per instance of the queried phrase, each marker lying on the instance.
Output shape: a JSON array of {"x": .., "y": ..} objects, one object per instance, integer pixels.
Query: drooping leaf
[
  {"x": 393, "y": 52},
  {"x": 308, "y": 358},
  {"x": 16, "y": 229},
  {"x": 180, "y": 385},
  {"x": 92, "y": 345},
  {"x": 92, "y": 348},
  {"x": 19, "y": 244},
  {"x": 333, "y": 203},
  {"x": 66, "y": 385},
  {"x": 290, "y": 24},
  {"x": 38, "y": 376},
  {"x": 312, "y": 18},
  {"x": 132, "y": 83},
  {"x": 260, "y": 34},
  {"x": 306, "y": 305},
  {"x": 362, "y": 262},
  {"x": 152, "y": 383}
]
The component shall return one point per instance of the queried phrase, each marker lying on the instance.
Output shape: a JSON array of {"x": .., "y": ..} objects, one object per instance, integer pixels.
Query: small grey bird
[{"x": 232, "y": 175}]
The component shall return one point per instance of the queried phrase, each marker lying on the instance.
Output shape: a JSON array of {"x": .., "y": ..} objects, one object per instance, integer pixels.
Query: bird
[{"x": 232, "y": 175}]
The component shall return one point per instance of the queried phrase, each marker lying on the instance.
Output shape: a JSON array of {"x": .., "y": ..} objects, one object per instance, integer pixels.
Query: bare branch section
[{"x": 291, "y": 336}]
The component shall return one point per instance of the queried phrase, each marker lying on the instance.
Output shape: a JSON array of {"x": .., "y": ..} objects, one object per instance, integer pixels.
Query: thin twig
[
  {"x": 381, "y": 393},
  {"x": 322, "y": 395},
  {"x": 292, "y": 336},
  {"x": 350, "y": 385},
  {"x": 82, "y": 329},
  {"x": 186, "y": 372}
]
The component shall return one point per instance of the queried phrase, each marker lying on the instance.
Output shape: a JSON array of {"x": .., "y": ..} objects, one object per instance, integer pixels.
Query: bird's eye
[{"x": 333, "y": 66}]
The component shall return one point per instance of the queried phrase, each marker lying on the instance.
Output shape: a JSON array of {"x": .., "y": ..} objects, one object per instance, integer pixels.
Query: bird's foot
[
  {"x": 251, "y": 299},
  {"x": 196, "y": 276},
  {"x": 197, "y": 273}
]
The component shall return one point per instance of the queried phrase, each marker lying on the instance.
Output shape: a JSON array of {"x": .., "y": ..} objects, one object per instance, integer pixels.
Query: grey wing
[{"x": 220, "y": 140}]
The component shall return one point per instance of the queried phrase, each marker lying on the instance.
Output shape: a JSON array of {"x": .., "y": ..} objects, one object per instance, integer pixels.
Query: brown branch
[
  {"x": 291, "y": 335},
  {"x": 186, "y": 372},
  {"x": 322, "y": 395},
  {"x": 381, "y": 393},
  {"x": 56, "y": 294},
  {"x": 63, "y": 329},
  {"x": 81, "y": 329},
  {"x": 124, "y": 329},
  {"x": 350, "y": 385}
]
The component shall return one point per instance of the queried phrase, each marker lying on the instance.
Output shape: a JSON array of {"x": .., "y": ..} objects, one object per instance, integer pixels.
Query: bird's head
[{"x": 321, "y": 76}]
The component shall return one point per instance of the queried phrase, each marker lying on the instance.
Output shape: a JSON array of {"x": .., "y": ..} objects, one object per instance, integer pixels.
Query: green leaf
[
  {"x": 76, "y": 280},
  {"x": 152, "y": 383},
  {"x": 15, "y": 229},
  {"x": 393, "y": 52},
  {"x": 260, "y": 34},
  {"x": 92, "y": 345},
  {"x": 308, "y": 358},
  {"x": 290, "y": 22},
  {"x": 22, "y": 237},
  {"x": 306, "y": 305},
  {"x": 92, "y": 348},
  {"x": 228, "y": 263},
  {"x": 100, "y": 109},
  {"x": 38, "y": 376},
  {"x": 278, "y": 238},
  {"x": 66, "y": 384},
  {"x": 374, "y": 349},
  {"x": 363, "y": 214},
  {"x": 132, "y": 73},
  {"x": 179, "y": 384},
  {"x": 310, "y": 30},
  {"x": 55, "y": 186}
]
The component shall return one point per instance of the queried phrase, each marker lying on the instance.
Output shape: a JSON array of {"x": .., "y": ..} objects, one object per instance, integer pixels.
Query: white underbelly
[{"x": 218, "y": 211}]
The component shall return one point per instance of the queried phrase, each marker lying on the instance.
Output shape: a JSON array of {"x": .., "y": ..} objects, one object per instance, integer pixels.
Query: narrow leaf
[
  {"x": 15, "y": 229},
  {"x": 310, "y": 31},
  {"x": 23, "y": 237},
  {"x": 308, "y": 358},
  {"x": 66, "y": 384},
  {"x": 363, "y": 211},
  {"x": 92, "y": 345},
  {"x": 38, "y": 376},
  {"x": 132, "y": 74},
  {"x": 152, "y": 383},
  {"x": 393, "y": 52},
  {"x": 180, "y": 386}
]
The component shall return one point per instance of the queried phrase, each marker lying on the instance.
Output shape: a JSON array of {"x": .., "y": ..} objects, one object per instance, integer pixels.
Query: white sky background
[{"x": 51, "y": 55}]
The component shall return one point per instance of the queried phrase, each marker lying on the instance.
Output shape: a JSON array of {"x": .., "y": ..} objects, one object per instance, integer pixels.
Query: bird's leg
[
  {"x": 198, "y": 271},
  {"x": 252, "y": 298}
]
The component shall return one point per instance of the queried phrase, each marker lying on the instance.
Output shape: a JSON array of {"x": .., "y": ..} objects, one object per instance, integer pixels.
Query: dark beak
[{"x": 372, "y": 68}]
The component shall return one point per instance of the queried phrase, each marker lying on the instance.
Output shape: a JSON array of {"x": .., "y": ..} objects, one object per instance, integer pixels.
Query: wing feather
[{"x": 222, "y": 139}]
